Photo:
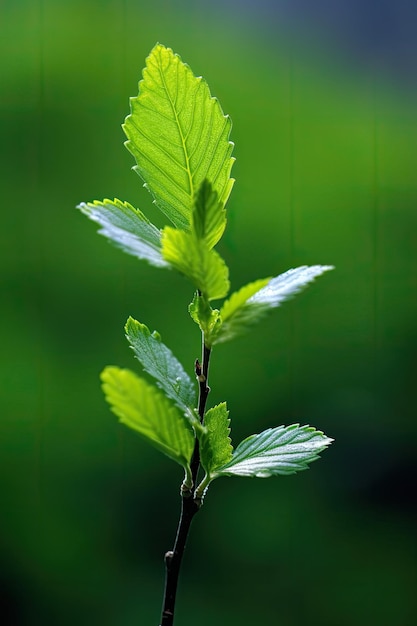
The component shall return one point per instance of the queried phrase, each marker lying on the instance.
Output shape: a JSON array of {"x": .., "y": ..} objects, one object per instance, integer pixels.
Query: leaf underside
[
  {"x": 160, "y": 363},
  {"x": 146, "y": 410},
  {"x": 179, "y": 136},
  {"x": 127, "y": 228},
  {"x": 282, "y": 450},
  {"x": 250, "y": 304}
]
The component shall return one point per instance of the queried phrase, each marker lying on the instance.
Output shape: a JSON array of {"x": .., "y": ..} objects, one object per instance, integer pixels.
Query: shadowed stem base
[{"x": 173, "y": 560}]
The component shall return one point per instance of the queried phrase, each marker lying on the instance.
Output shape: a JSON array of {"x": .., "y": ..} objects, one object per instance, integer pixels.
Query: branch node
[
  {"x": 185, "y": 491},
  {"x": 197, "y": 368},
  {"x": 198, "y": 501},
  {"x": 168, "y": 557},
  {"x": 198, "y": 372}
]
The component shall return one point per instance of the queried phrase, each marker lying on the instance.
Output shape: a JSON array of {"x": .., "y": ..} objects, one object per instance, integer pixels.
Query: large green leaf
[
  {"x": 179, "y": 136},
  {"x": 250, "y": 304},
  {"x": 144, "y": 408},
  {"x": 215, "y": 444},
  {"x": 127, "y": 228},
  {"x": 282, "y": 450},
  {"x": 193, "y": 258},
  {"x": 160, "y": 363}
]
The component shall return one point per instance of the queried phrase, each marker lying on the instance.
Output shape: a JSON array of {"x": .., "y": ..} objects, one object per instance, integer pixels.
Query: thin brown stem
[
  {"x": 189, "y": 504},
  {"x": 173, "y": 560}
]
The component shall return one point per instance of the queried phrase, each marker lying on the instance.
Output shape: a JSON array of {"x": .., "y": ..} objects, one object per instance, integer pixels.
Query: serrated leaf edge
[
  {"x": 285, "y": 435},
  {"x": 181, "y": 221}
]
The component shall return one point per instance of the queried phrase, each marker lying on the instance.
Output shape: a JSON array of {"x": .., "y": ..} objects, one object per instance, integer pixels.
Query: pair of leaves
[
  {"x": 166, "y": 418},
  {"x": 276, "y": 451}
]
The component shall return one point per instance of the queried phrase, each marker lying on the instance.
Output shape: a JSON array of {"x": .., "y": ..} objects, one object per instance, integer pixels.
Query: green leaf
[
  {"x": 192, "y": 257},
  {"x": 178, "y": 135},
  {"x": 237, "y": 301},
  {"x": 283, "y": 450},
  {"x": 215, "y": 444},
  {"x": 160, "y": 363},
  {"x": 236, "y": 315},
  {"x": 208, "y": 216},
  {"x": 127, "y": 228},
  {"x": 146, "y": 410},
  {"x": 249, "y": 305}
]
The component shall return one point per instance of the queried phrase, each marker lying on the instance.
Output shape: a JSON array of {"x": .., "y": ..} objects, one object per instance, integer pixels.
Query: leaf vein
[
  {"x": 158, "y": 146},
  {"x": 190, "y": 180}
]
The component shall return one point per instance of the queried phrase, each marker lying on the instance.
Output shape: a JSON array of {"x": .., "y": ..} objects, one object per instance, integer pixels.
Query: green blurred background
[{"x": 324, "y": 110}]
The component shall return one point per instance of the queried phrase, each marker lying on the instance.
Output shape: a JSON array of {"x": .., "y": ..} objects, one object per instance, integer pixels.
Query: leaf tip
[{"x": 131, "y": 324}]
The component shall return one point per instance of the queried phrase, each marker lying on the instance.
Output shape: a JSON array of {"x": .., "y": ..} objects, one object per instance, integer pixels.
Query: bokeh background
[{"x": 323, "y": 99}]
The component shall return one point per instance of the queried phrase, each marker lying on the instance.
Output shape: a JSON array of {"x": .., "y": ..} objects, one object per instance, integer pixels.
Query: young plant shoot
[{"x": 179, "y": 137}]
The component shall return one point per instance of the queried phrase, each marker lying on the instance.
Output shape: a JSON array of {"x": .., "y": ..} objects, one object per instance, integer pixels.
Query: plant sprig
[{"x": 179, "y": 137}]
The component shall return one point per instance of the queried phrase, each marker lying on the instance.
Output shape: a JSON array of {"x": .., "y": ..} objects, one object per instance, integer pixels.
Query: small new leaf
[
  {"x": 209, "y": 215},
  {"x": 146, "y": 410},
  {"x": 160, "y": 363},
  {"x": 193, "y": 258},
  {"x": 283, "y": 450},
  {"x": 207, "y": 318},
  {"x": 127, "y": 228},
  {"x": 250, "y": 304},
  {"x": 178, "y": 135},
  {"x": 215, "y": 444}
]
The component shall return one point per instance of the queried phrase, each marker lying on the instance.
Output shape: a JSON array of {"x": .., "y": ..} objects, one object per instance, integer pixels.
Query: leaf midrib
[{"x": 183, "y": 138}]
